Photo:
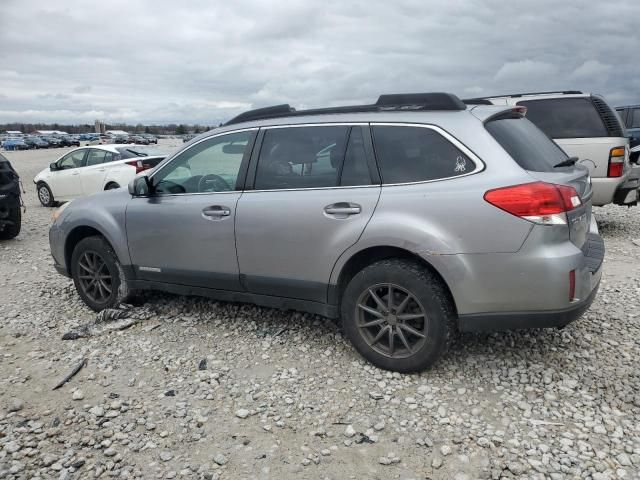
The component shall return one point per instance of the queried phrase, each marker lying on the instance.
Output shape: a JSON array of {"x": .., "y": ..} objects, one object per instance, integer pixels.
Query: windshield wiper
[
  {"x": 566, "y": 163},
  {"x": 137, "y": 154}
]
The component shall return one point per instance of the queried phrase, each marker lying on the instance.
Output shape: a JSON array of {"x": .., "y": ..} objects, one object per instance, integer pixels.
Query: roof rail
[
  {"x": 401, "y": 101},
  {"x": 476, "y": 101}
]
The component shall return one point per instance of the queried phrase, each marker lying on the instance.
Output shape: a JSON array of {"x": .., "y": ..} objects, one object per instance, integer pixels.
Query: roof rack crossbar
[{"x": 403, "y": 101}]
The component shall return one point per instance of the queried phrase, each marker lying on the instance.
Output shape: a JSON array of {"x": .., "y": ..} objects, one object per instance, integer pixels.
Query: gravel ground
[{"x": 201, "y": 389}]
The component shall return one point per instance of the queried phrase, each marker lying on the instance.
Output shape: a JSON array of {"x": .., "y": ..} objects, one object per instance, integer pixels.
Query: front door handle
[
  {"x": 343, "y": 208},
  {"x": 216, "y": 211}
]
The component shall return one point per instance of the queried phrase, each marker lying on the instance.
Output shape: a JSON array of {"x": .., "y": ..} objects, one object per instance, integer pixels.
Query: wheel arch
[
  {"x": 367, "y": 256},
  {"x": 78, "y": 234}
]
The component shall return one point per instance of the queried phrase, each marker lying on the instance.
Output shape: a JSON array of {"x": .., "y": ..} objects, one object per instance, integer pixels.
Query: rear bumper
[
  {"x": 501, "y": 321},
  {"x": 627, "y": 193},
  {"x": 604, "y": 189}
]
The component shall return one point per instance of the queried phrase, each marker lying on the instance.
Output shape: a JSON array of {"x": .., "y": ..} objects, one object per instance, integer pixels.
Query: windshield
[{"x": 526, "y": 143}]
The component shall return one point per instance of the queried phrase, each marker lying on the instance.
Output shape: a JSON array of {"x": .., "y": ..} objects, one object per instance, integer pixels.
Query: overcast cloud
[{"x": 159, "y": 61}]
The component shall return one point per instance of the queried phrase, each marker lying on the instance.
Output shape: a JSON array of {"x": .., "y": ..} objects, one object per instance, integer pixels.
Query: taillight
[
  {"x": 539, "y": 202},
  {"x": 616, "y": 162},
  {"x": 139, "y": 164}
]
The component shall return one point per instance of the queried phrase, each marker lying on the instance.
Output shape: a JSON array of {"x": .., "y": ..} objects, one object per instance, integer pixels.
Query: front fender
[{"x": 103, "y": 212}]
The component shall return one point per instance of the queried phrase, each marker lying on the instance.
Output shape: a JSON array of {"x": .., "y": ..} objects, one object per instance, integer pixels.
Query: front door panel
[{"x": 172, "y": 239}]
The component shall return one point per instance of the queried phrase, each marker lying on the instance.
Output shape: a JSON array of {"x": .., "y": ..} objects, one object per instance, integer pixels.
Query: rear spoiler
[{"x": 495, "y": 112}]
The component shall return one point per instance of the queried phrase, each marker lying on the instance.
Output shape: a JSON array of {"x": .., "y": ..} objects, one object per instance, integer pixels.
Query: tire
[
  {"x": 112, "y": 186},
  {"x": 426, "y": 295},
  {"x": 14, "y": 214},
  {"x": 45, "y": 195},
  {"x": 112, "y": 288}
]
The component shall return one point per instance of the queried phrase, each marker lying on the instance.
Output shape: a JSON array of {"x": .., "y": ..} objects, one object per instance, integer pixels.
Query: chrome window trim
[
  {"x": 328, "y": 124},
  {"x": 480, "y": 165}
]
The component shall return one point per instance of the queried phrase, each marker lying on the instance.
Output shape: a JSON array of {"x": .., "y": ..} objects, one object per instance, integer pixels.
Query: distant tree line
[{"x": 170, "y": 129}]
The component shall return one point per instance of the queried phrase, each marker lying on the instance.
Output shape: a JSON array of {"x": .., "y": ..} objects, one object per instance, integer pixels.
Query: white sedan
[{"x": 92, "y": 169}]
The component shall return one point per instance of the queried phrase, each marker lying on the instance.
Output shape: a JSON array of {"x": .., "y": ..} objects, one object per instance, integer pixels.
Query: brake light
[
  {"x": 616, "y": 162},
  {"x": 139, "y": 164},
  {"x": 521, "y": 109},
  {"x": 538, "y": 202}
]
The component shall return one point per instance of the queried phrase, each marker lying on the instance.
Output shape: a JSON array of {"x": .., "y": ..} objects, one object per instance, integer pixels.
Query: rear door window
[
  {"x": 416, "y": 154},
  {"x": 355, "y": 170},
  {"x": 566, "y": 117},
  {"x": 526, "y": 143},
  {"x": 95, "y": 157},
  {"x": 301, "y": 157}
]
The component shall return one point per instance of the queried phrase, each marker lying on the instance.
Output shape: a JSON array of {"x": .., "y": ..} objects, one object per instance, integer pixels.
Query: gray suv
[{"x": 410, "y": 219}]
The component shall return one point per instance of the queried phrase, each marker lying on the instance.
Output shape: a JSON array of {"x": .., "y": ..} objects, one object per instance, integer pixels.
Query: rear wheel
[
  {"x": 45, "y": 195},
  {"x": 398, "y": 315},
  {"x": 11, "y": 212},
  {"x": 97, "y": 274},
  {"x": 112, "y": 186}
]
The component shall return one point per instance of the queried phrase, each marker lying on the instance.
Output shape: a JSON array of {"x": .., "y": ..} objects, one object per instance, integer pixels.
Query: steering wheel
[{"x": 213, "y": 183}]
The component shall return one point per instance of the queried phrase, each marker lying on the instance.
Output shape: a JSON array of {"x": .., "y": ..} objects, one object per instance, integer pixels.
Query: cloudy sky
[{"x": 73, "y": 61}]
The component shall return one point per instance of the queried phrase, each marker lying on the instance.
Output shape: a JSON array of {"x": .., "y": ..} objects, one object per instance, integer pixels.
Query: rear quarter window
[
  {"x": 566, "y": 117},
  {"x": 526, "y": 143},
  {"x": 415, "y": 154}
]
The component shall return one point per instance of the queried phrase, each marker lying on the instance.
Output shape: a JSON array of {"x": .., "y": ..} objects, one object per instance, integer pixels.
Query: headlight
[{"x": 58, "y": 211}]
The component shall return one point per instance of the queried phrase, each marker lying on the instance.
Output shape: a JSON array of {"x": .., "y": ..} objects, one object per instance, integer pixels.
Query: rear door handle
[
  {"x": 216, "y": 211},
  {"x": 343, "y": 208}
]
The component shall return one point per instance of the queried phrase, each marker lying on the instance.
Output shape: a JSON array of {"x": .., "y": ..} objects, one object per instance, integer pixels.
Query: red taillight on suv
[
  {"x": 139, "y": 164},
  {"x": 616, "y": 162},
  {"x": 539, "y": 202}
]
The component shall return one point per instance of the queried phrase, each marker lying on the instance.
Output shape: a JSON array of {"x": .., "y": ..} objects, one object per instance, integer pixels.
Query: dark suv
[
  {"x": 10, "y": 214},
  {"x": 631, "y": 117}
]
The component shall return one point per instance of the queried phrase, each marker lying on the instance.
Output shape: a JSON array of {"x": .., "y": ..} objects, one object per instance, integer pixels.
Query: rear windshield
[
  {"x": 134, "y": 152},
  {"x": 526, "y": 143},
  {"x": 566, "y": 117}
]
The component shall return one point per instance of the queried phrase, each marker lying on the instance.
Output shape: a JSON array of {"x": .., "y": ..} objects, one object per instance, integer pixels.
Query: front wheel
[
  {"x": 97, "y": 274},
  {"x": 45, "y": 195},
  {"x": 112, "y": 186},
  {"x": 398, "y": 315}
]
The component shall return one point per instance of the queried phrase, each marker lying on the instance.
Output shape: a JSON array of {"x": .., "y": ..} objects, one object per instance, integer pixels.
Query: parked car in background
[
  {"x": 10, "y": 208},
  {"x": 585, "y": 127},
  {"x": 188, "y": 137},
  {"x": 35, "y": 142},
  {"x": 88, "y": 170},
  {"x": 631, "y": 117},
  {"x": 409, "y": 218},
  {"x": 15, "y": 143},
  {"x": 89, "y": 139},
  {"x": 69, "y": 141},
  {"x": 150, "y": 138},
  {"x": 139, "y": 140},
  {"x": 53, "y": 142},
  {"x": 120, "y": 139}
]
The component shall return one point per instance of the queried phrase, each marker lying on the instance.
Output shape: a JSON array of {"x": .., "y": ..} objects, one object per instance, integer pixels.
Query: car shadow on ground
[{"x": 493, "y": 350}]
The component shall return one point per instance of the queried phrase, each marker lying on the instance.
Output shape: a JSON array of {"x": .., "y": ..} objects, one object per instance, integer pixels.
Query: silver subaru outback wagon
[{"x": 410, "y": 219}]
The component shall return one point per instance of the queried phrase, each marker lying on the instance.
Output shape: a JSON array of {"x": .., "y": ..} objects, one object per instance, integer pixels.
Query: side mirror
[
  {"x": 140, "y": 186},
  {"x": 53, "y": 166}
]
